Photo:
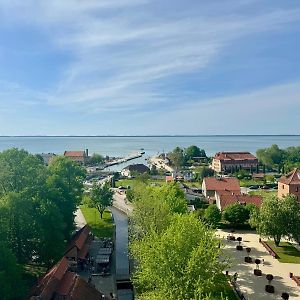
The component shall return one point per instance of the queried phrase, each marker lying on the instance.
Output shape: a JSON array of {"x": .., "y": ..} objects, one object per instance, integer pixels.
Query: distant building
[
  {"x": 77, "y": 156},
  {"x": 230, "y": 162},
  {"x": 59, "y": 283},
  {"x": 47, "y": 157},
  {"x": 223, "y": 199},
  {"x": 211, "y": 185},
  {"x": 130, "y": 170},
  {"x": 289, "y": 184}
]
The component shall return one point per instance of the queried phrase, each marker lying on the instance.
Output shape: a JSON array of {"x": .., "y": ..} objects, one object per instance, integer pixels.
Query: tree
[
  {"x": 206, "y": 172},
  {"x": 236, "y": 214},
  {"x": 279, "y": 218},
  {"x": 101, "y": 198},
  {"x": 11, "y": 283},
  {"x": 213, "y": 215},
  {"x": 96, "y": 159},
  {"x": 153, "y": 170},
  {"x": 193, "y": 151},
  {"x": 176, "y": 157},
  {"x": 65, "y": 184},
  {"x": 271, "y": 156},
  {"x": 181, "y": 263}
]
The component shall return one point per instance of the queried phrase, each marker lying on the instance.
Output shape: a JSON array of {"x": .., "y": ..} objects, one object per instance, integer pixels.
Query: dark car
[{"x": 253, "y": 187}]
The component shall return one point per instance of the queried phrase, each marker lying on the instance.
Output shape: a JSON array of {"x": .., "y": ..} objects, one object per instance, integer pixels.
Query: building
[
  {"x": 47, "y": 157},
  {"x": 131, "y": 170},
  {"x": 223, "y": 199},
  {"x": 80, "y": 157},
  {"x": 289, "y": 184},
  {"x": 230, "y": 162},
  {"x": 211, "y": 185},
  {"x": 59, "y": 283}
]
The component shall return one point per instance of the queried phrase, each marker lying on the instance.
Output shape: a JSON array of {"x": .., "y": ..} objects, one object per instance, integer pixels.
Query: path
[{"x": 251, "y": 285}]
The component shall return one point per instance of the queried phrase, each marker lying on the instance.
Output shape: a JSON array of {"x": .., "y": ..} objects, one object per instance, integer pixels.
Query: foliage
[
  {"x": 100, "y": 227},
  {"x": 236, "y": 214},
  {"x": 96, "y": 159},
  {"x": 153, "y": 170},
  {"x": 176, "y": 157},
  {"x": 206, "y": 172},
  {"x": 213, "y": 215},
  {"x": 66, "y": 185},
  {"x": 279, "y": 218},
  {"x": 101, "y": 197},
  {"x": 11, "y": 283},
  {"x": 177, "y": 264},
  {"x": 193, "y": 151},
  {"x": 153, "y": 207}
]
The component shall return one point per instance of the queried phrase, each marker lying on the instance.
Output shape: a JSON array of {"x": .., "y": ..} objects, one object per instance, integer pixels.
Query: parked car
[{"x": 253, "y": 187}]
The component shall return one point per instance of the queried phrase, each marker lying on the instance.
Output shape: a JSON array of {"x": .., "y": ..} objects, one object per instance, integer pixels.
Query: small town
[{"x": 149, "y": 150}]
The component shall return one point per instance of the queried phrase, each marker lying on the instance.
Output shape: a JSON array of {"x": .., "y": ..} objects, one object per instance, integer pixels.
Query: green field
[
  {"x": 286, "y": 252},
  {"x": 100, "y": 227},
  {"x": 133, "y": 182},
  {"x": 263, "y": 193}
]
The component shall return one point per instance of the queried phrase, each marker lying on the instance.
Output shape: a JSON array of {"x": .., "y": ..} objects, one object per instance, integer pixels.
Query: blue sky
[{"x": 142, "y": 67}]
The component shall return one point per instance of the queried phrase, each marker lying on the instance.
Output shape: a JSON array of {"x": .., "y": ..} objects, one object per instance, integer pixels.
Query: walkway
[{"x": 253, "y": 286}]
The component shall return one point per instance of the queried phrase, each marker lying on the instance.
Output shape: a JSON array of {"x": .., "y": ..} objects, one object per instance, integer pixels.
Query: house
[
  {"x": 223, "y": 199},
  {"x": 230, "y": 162},
  {"x": 131, "y": 170},
  {"x": 289, "y": 184},
  {"x": 212, "y": 184},
  {"x": 80, "y": 157},
  {"x": 78, "y": 247},
  {"x": 47, "y": 157},
  {"x": 59, "y": 283}
]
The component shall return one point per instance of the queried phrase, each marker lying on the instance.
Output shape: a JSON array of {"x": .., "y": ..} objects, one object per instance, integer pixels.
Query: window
[
  {"x": 296, "y": 189},
  {"x": 283, "y": 186}
]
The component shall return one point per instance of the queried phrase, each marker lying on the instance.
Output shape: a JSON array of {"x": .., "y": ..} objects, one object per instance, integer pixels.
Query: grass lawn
[
  {"x": 249, "y": 182},
  {"x": 100, "y": 227},
  {"x": 286, "y": 252},
  {"x": 133, "y": 182},
  {"x": 263, "y": 193},
  {"x": 195, "y": 184}
]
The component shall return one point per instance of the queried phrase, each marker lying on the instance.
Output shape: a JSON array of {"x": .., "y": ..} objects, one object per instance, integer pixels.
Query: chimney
[{"x": 87, "y": 152}]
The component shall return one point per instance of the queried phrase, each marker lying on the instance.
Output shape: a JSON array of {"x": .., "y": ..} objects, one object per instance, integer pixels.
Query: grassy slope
[
  {"x": 286, "y": 252},
  {"x": 100, "y": 227}
]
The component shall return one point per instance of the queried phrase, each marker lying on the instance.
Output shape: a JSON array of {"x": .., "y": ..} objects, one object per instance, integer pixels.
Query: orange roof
[
  {"x": 169, "y": 178},
  {"x": 291, "y": 178},
  {"x": 80, "y": 238},
  {"x": 237, "y": 156},
  {"x": 226, "y": 200},
  {"x": 75, "y": 153},
  {"x": 66, "y": 284},
  {"x": 221, "y": 183}
]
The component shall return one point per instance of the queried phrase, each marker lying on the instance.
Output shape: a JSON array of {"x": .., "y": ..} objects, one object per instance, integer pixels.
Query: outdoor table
[
  {"x": 104, "y": 251},
  {"x": 102, "y": 259}
]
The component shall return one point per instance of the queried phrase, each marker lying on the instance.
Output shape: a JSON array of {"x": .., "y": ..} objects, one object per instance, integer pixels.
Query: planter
[
  {"x": 257, "y": 272},
  {"x": 269, "y": 289},
  {"x": 248, "y": 259},
  {"x": 239, "y": 248},
  {"x": 232, "y": 238}
]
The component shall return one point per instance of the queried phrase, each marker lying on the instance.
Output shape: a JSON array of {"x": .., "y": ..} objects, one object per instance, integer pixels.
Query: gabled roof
[
  {"x": 141, "y": 168},
  {"x": 291, "y": 178},
  {"x": 226, "y": 200},
  {"x": 79, "y": 239},
  {"x": 239, "y": 156},
  {"x": 75, "y": 153},
  {"x": 222, "y": 184}
]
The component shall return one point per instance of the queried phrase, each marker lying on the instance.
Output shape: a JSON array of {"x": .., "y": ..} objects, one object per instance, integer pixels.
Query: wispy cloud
[{"x": 122, "y": 51}]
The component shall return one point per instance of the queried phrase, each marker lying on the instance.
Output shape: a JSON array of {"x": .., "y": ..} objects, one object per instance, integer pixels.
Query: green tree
[
  {"x": 176, "y": 157},
  {"x": 96, "y": 159},
  {"x": 213, "y": 215},
  {"x": 193, "y": 151},
  {"x": 206, "y": 172},
  {"x": 65, "y": 184},
  {"x": 279, "y": 218},
  {"x": 11, "y": 283},
  {"x": 236, "y": 214},
  {"x": 271, "y": 157},
  {"x": 181, "y": 263},
  {"x": 101, "y": 198}
]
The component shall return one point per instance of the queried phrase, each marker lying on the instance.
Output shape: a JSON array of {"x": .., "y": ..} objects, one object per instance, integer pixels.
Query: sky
[{"x": 149, "y": 67}]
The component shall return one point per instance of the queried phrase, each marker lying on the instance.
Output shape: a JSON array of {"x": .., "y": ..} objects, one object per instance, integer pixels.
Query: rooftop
[
  {"x": 291, "y": 178},
  {"x": 222, "y": 184},
  {"x": 235, "y": 156}
]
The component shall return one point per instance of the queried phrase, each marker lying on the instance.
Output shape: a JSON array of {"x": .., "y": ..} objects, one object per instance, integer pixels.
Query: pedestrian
[{"x": 235, "y": 276}]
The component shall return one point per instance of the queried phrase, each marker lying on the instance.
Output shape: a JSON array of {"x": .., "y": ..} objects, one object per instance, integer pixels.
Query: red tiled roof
[
  {"x": 75, "y": 153},
  {"x": 66, "y": 284},
  {"x": 239, "y": 156},
  {"x": 169, "y": 178},
  {"x": 218, "y": 184},
  {"x": 291, "y": 178},
  {"x": 80, "y": 238},
  {"x": 82, "y": 290},
  {"x": 226, "y": 200}
]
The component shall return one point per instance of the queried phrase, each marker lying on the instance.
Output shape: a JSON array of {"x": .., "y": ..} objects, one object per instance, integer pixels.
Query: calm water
[{"x": 120, "y": 146}]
